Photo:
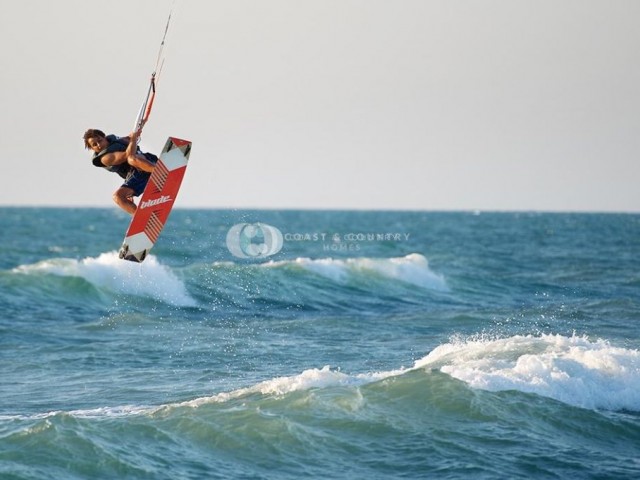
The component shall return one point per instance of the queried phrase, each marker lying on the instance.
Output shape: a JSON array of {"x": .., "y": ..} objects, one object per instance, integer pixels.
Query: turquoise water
[{"x": 371, "y": 345}]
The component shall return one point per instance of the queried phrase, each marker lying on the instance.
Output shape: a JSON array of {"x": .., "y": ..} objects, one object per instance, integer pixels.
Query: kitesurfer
[{"x": 121, "y": 155}]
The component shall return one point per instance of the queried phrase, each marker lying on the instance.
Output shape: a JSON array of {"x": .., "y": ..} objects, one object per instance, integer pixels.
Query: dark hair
[{"x": 92, "y": 132}]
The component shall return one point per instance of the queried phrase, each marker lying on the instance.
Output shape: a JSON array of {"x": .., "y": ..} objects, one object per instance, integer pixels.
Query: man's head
[{"x": 95, "y": 140}]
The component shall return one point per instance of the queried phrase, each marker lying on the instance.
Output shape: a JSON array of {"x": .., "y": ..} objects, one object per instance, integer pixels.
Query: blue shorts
[{"x": 137, "y": 179}]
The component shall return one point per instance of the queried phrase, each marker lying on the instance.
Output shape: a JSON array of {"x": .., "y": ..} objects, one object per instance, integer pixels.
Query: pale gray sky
[{"x": 394, "y": 104}]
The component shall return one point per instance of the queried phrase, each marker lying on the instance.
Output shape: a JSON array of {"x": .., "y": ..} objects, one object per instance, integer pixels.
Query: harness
[{"x": 116, "y": 144}]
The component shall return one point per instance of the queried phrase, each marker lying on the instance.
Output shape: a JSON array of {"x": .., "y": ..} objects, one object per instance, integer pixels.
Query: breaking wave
[{"x": 108, "y": 272}]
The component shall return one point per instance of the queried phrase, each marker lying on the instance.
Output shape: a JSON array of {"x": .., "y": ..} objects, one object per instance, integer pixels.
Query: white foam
[
  {"x": 108, "y": 271},
  {"x": 573, "y": 370},
  {"x": 308, "y": 379},
  {"x": 101, "y": 412},
  {"x": 413, "y": 269}
]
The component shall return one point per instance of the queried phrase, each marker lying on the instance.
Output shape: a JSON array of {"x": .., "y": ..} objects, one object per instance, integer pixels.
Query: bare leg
[
  {"x": 124, "y": 199},
  {"x": 141, "y": 163}
]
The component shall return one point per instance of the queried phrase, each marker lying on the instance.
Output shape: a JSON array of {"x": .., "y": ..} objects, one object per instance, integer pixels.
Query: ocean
[{"x": 320, "y": 344}]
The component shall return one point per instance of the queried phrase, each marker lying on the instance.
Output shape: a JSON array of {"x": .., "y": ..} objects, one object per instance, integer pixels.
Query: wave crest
[
  {"x": 109, "y": 272},
  {"x": 573, "y": 370},
  {"x": 413, "y": 269}
]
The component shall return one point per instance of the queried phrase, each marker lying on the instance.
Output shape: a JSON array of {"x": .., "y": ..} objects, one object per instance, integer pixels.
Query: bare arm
[
  {"x": 113, "y": 158},
  {"x": 133, "y": 144},
  {"x": 135, "y": 159}
]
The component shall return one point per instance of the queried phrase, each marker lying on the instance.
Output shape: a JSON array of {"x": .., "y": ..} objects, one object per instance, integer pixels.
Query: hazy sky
[{"x": 394, "y": 104}]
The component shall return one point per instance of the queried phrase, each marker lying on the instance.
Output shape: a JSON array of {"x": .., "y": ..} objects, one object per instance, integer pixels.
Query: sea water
[{"x": 343, "y": 345}]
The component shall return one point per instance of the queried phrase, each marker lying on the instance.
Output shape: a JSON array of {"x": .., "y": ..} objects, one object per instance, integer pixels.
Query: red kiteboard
[{"x": 157, "y": 200}]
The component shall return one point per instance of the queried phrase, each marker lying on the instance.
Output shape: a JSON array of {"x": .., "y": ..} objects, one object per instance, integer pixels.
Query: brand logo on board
[{"x": 155, "y": 201}]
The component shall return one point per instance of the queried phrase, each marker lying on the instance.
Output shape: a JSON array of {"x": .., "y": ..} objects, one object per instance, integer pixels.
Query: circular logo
[{"x": 254, "y": 240}]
